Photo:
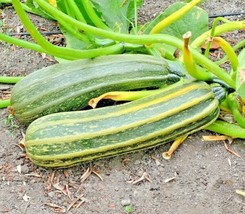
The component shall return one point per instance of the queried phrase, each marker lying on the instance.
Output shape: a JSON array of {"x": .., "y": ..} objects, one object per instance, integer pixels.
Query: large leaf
[
  {"x": 31, "y": 7},
  {"x": 195, "y": 21},
  {"x": 240, "y": 78},
  {"x": 118, "y": 14}
]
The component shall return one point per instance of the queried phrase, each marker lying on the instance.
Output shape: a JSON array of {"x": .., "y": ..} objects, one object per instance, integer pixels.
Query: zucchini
[
  {"x": 68, "y": 138},
  {"x": 69, "y": 86}
]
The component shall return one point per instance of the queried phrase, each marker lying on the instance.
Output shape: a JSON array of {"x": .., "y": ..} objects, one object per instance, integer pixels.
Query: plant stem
[
  {"x": 79, "y": 16},
  {"x": 4, "y": 103},
  {"x": 5, "y": 1},
  {"x": 213, "y": 68},
  {"x": 66, "y": 53},
  {"x": 76, "y": 11},
  {"x": 88, "y": 7},
  {"x": 236, "y": 108},
  {"x": 174, "y": 17},
  {"x": 135, "y": 16},
  {"x": 75, "y": 32},
  {"x": 189, "y": 62},
  {"x": 68, "y": 8},
  {"x": 10, "y": 80},
  {"x": 22, "y": 43},
  {"x": 226, "y": 27},
  {"x": 141, "y": 39},
  {"x": 214, "y": 25},
  {"x": 229, "y": 52},
  {"x": 239, "y": 45},
  {"x": 227, "y": 129}
]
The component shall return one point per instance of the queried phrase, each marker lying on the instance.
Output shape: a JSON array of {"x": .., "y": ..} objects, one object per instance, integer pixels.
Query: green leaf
[
  {"x": 195, "y": 21},
  {"x": 118, "y": 14},
  {"x": 240, "y": 78},
  {"x": 72, "y": 41},
  {"x": 32, "y": 7}
]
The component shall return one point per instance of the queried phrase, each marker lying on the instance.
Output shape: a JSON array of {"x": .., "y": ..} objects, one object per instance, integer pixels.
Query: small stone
[
  {"x": 154, "y": 188},
  {"x": 51, "y": 194},
  {"x": 137, "y": 162},
  {"x": 125, "y": 202},
  {"x": 25, "y": 169}
]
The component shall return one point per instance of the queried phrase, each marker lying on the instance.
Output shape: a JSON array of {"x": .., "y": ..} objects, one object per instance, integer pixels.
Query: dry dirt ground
[{"x": 202, "y": 177}]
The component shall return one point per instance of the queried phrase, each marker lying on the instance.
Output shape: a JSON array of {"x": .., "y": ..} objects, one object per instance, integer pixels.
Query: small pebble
[
  {"x": 24, "y": 169},
  {"x": 51, "y": 194},
  {"x": 125, "y": 202},
  {"x": 154, "y": 188},
  {"x": 137, "y": 162}
]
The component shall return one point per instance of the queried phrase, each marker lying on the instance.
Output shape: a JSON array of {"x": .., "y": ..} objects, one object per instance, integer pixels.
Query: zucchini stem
[
  {"x": 189, "y": 62},
  {"x": 79, "y": 16},
  {"x": 212, "y": 33},
  {"x": 239, "y": 45},
  {"x": 88, "y": 7},
  {"x": 174, "y": 17},
  {"x": 229, "y": 52},
  {"x": 236, "y": 108},
  {"x": 22, "y": 43},
  {"x": 224, "y": 28},
  {"x": 10, "y": 80},
  {"x": 228, "y": 129},
  {"x": 4, "y": 103}
]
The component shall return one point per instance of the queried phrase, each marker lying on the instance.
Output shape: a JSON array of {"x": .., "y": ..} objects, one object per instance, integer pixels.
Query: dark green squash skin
[
  {"x": 69, "y": 86},
  {"x": 69, "y": 138}
]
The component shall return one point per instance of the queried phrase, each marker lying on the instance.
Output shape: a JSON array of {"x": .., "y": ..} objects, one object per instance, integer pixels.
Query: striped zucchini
[
  {"x": 69, "y": 86},
  {"x": 68, "y": 138}
]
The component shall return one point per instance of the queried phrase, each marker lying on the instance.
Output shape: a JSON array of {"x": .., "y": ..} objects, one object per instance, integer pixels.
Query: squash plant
[{"x": 93, "y": 33}]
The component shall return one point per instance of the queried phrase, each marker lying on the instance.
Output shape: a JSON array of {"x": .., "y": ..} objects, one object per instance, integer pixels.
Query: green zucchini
[
  {"x": 69, "y": 86},
  {"x": 68, "y": 138}
]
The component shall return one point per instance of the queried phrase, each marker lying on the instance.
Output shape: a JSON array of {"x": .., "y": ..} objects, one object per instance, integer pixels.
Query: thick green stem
[
  {"x": 5, "y": 1},
  {"x": 76, "y": 11},
  {"x": 74, "y": 32},
  {"x": 214, "y": 25},
  {"x": 229, "y": 52},
  {"x": 10, "y": 80},
  {"x": 224, "y": 28},
  {"x": 93, "y": 15},
  {"x": 239, "y": 45},
  {"x": 228, "y": 129},
  {"x": 68, "y": 8},
  {"x": 213, "y": 68},
  {"x": 113, "y": 49},
  {"x": 4, "y": 103},
  {"x": 174, "y": 17},
  {"x": 236, "y": 108},
  {"x": 79, "y": 16},
  {"x": 73, "y": 11},
  {"x": 189, "y": 62},
  {"x": 141, "y": 39},
  {"x": 22, "y": 43}
]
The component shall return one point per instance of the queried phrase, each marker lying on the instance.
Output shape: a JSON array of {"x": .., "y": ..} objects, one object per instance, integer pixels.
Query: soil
[{"x": 201, "y": 177}]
